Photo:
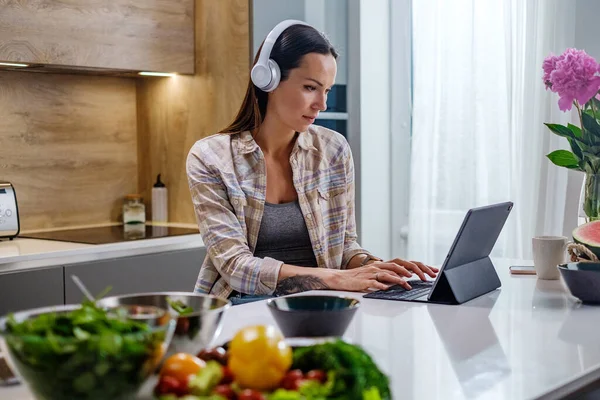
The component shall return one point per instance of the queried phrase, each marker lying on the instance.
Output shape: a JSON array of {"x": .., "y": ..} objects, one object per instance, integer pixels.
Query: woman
[{"x": 274, "y": 194}]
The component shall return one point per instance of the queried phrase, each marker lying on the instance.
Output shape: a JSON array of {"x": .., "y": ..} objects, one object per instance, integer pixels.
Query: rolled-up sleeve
[
  {"x": 351, "y": 245},
  {"x": 223, "y": 233}
]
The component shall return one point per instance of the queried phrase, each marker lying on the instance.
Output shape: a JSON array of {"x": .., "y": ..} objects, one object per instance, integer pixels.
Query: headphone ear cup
[
  {"x": 275, "y": 76},
  {"x": 261, "y": 76}
]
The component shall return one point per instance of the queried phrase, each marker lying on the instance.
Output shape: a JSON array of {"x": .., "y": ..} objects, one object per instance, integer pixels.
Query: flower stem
[{"x": 580, "y": 116}]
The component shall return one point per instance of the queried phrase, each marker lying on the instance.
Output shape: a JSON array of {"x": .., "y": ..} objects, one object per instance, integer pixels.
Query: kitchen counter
[
  {"x": 23, "y": 254},
  {"x": 528, "y": 340}
]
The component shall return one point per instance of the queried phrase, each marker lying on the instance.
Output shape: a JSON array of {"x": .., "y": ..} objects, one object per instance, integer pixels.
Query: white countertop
[
  {"x": 528, "y": 340},
  {"x": 23, "y": 253}
]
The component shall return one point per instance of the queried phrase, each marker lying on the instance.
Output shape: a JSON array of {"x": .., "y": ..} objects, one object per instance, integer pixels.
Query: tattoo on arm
[{"x": 299, "y": 283}]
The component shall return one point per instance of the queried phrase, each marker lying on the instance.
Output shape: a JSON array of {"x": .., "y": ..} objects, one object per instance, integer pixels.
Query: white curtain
[{"x": 479, "y": 105}]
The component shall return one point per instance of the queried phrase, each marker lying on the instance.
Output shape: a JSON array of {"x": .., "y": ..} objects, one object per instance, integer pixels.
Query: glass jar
[{"x": 134, "y": 211}]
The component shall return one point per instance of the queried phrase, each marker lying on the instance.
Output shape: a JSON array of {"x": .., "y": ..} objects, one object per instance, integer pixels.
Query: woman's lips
[{"x": 309, "y": 119}]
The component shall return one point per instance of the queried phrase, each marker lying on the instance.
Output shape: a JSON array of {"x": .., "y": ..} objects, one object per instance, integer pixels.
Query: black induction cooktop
[{"x": 111, "y": 234}]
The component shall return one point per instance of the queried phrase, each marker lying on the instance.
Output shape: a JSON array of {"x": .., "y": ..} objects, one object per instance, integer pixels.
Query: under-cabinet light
[
  {"x": 5, "y": 64},
  {"x": 157, "y": 73}
]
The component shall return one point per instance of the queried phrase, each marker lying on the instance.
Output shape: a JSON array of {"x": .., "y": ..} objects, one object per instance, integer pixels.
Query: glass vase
[{"x": 590, "y": 194}]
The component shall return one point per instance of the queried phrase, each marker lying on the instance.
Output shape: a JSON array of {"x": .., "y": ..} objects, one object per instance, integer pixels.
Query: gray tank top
[{"x": 283, "y": 235}]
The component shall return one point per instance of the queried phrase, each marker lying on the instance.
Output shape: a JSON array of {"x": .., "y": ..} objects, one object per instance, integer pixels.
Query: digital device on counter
[
  {"x": 9, "y": 212},
  {"x": 522, "y": 270},
  {"x": 467, "y": 271}
]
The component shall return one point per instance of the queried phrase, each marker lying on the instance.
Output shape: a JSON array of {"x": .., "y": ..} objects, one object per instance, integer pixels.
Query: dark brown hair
[{"x": 288, "y": 50}]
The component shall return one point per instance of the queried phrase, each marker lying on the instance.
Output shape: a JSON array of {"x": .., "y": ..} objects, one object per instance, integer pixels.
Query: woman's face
[{"x": 297, "y": 101}]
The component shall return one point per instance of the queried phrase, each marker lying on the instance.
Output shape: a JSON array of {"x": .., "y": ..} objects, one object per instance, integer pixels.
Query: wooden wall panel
[
  {"x": 147, "y": 35},
  {"x": 175, "y": 112},
  {"x": 69, "y": 145}
]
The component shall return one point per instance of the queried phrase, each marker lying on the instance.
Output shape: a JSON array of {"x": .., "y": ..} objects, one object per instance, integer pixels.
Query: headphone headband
[{"x": 265, "y": 52}]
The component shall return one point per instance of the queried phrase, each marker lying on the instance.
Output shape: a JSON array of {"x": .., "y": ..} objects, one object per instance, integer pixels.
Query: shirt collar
[
  {"x": 246, "y": 143},
  {"x": 305, "y": 140}
]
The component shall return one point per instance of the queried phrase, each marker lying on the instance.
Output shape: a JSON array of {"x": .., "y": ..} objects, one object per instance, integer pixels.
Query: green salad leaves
[
  {"x": 87, "y": 353},
  {"x": 180, "y": 307},
  {"x": 356, "y": 374}
]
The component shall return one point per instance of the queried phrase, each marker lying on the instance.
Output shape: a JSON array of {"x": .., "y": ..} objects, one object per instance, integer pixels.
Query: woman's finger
[
  {"x": 394, "y": 267},
  {"x": 428, "y": 270},
  {"x": 387, "y": 277},
  {"x": 374, "y": 285},
  {"x": 412, "y": 267}
]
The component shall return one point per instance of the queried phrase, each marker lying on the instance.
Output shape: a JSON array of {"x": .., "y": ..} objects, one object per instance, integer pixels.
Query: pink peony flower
[
  {"x": 573, "y": 76},
  {"x": 549, "y": 66}
]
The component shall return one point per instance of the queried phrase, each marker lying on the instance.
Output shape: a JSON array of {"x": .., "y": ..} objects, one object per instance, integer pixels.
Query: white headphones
[{"x": 266, "y": 73}]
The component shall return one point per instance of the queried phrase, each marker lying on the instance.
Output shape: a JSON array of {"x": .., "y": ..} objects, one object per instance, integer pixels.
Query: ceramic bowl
[{"x": 313, "y": 316}]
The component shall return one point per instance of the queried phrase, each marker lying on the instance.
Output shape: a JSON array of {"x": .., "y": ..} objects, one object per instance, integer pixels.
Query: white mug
[{"x": 548, "y": 253}]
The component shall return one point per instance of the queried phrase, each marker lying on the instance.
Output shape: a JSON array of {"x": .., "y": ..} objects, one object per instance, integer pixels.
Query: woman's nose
[{"x": 321, "y": 104}]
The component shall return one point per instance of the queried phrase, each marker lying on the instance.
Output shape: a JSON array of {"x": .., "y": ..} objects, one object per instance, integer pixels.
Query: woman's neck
[{"x": 275, "y": 139}]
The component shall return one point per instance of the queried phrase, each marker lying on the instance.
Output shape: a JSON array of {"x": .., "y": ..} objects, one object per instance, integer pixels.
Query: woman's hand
[
  {"x": 415, "y": 266},
  {"x": 379, "y": 275}
]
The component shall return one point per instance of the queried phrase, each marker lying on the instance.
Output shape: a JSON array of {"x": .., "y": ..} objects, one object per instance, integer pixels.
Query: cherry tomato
[
  {"x": 136, "y": 310},
  {"x": 292, "y": 379},
  {"x": 227, "y": 375},
  {"x": 249, "y": 394},
  {"x": 317, "y": 375},
  {"x": 183, "y": 326},
  {"x": 169, "y": 385},
  {"x": 218, "y": 354},
  {"x": 181, "y": 365},
  {"x": 225, "y": 391}
]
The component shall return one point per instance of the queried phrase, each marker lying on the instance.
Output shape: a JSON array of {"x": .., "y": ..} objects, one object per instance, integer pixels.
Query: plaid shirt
[{"x": 227, "y": 179}]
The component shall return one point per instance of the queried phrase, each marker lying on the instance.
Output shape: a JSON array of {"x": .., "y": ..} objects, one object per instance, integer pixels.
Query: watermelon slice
[{"x": 589, "y": 235}]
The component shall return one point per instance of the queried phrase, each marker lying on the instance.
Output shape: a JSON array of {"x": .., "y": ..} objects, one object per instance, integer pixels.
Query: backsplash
[
  {"x": 74, "y": 145},
  {"x": 68, "y": 145}
]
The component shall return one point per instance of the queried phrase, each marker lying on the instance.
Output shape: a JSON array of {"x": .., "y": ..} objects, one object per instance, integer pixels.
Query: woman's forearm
[{"x": 294, "y": 279}]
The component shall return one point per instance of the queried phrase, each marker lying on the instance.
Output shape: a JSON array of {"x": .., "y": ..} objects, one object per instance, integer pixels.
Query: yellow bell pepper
[{"x": 259, "y": 358}]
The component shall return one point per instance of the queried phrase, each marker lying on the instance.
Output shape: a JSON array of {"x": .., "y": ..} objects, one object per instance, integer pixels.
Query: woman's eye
[{"x": 310, "y": 88}]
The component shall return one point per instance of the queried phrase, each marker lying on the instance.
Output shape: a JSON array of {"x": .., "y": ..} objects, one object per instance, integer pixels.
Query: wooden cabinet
[
  {"x": 21, "y": 290},
  {"x": 177, "y": 271},
  {"x": 138, "y": 35}
]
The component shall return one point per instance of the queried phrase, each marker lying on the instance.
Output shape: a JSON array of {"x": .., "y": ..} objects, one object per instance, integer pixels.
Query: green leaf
[
  {"x": 560, "y": 130},
  {"x": 591, "y": 125},
  {"x": 84, "y": 382},
  {"x": 180, "y": 306},
  {"x": 564, "y": 158},
  {"x": 371, "y": 394},
  {"x": 593, "y": 162},
  {"x": 80, "y": 333},
  {"x": 565, "y": 132},
  {"x": 593, "y": 150},
  {"x": 596, "y": 104},
  {"x": 576, "y": 149},
  {"x": 575, "y": 130}
]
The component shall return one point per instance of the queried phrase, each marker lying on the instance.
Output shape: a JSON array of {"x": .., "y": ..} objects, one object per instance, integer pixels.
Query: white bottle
[{"x": 159, "y": 202}]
